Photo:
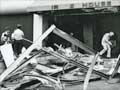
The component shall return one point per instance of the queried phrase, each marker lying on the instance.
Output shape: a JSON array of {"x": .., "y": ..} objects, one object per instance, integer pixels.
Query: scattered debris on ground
[{"x": 40, "y": 67}]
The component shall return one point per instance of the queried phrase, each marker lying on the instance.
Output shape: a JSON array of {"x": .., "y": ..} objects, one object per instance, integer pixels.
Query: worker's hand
[
  {"x": 23, "y": 49},
  {"x": 109, "y": 43}
]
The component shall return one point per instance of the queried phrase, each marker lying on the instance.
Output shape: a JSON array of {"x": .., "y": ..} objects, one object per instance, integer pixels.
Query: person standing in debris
[
  {"x": 106, "y": 43},
  {"x": 5, "y": 37},
  {"x": 17, "y": 37}
]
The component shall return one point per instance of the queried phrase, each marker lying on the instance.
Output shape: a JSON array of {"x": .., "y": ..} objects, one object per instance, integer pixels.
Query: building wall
[
  {"x": 90, "y": 28},
  {"x": 101, "y": 24},
  {"x": 24, "y": 19},
  {"x": 81, "y": 27}
]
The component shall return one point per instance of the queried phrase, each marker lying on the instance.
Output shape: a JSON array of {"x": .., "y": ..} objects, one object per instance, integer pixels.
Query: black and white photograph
[{"x": 59, "y": 44}]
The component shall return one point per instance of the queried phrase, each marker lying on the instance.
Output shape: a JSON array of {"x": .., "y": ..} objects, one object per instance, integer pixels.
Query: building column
[
  {"x": 88, "y": 34},
  {"x": 39, "y": 26}
]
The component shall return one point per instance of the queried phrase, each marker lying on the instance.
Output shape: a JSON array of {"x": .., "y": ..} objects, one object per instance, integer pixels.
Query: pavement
[{"x": 96, "y": 85}]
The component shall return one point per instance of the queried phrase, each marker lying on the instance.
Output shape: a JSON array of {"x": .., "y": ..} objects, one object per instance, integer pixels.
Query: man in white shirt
[
  {"x": 106, "y": 44},
  {"x": 17, "y": 36}
]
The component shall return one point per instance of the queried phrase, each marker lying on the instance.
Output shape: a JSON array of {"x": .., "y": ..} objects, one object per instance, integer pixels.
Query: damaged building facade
[
  {"x": 64, "y": 44},
  {"x": 87, "y": 20}
]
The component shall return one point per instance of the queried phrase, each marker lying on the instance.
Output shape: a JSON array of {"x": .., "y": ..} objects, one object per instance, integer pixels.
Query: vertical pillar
[
  {"x": 37, "y": 27},
  {"x": 88, "y": 34},
  {"x": 40, "y": 24}
]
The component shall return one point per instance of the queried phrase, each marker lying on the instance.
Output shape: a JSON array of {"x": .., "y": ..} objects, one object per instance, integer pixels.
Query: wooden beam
[
  {"x": 86, "y": 81},
  {"x": 116, "y": 67},
  {"x": 22, "y": 65},
  {"x": 75, "y": 62},
  {"x": 74, "y": 41},
  {"x": 35, "y": 45},
  {"x": 51, "y": 81}
]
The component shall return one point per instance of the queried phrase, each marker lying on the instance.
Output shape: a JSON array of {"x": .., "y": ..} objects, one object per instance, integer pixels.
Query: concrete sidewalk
[{"x": 96, "y": 85}]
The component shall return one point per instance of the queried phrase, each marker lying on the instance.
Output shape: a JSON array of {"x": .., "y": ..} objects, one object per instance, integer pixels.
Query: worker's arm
[{"x": 107, "y": 41}]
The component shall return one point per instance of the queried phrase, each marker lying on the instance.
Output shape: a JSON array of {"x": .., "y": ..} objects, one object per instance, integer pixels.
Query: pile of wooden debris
[{"x": 43, "y": 67}]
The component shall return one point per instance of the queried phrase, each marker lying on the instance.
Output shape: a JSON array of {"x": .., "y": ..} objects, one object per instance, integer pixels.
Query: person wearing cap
[
  {"x": 17, "y": 37},
  {"x": 18, "y": 34},
  {"x": 106, "y": 43}
]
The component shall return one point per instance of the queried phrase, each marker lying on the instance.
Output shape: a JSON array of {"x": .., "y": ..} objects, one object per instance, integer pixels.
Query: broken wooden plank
[
  {"x": 35, "y": 45},
  {"x": 50, "y": 81},
  {"x": 74, "y": 41},
  {"x": 25, "y": 84},
  {"x": 89, "y": 72},
  {"x": 22, "y": 65},
  {"x": 116, "y": 67},
  {"x": 65, "y": 71},
  {"x": 76, "y": 63}
]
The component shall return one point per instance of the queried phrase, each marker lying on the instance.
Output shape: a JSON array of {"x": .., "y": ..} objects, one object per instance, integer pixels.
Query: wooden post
[
  {"x": 74, "y": 41},
  {"x": 37, "y": 26},
  {"x": 86, "y": 81}
]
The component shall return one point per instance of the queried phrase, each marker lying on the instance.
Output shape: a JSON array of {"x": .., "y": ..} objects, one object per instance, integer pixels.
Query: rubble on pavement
[{"x": 44, "y": 66}]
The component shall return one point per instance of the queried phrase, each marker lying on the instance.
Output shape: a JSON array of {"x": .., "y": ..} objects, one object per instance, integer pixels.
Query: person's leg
[
  {"x": 108, "y": 51},
  {"x": 104, "y": 49},
  {"x": 15, "y": 46},
  {"x": 20, "y": 46}
]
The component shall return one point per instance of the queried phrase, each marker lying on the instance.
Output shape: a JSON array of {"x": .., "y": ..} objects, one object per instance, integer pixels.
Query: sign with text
[
  {"x": 64, "y": 5},
  {"x": 83, "y": 5}
]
